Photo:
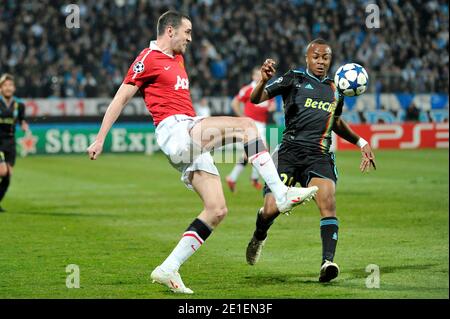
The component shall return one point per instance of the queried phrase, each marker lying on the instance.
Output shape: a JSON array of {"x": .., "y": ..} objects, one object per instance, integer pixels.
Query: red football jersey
[
  {"x": 257, "y": 112},
  {"x": 163, "y": 82}
]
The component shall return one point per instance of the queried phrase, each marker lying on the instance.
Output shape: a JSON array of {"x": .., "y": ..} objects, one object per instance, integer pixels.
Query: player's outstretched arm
[
  {"x": 342, "y": 129},
  {"x": 122, "y": 97},
  {"x": 267, "y": 72}
]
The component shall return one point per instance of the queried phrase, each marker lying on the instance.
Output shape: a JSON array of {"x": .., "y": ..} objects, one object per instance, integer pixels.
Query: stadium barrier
[
  {"x": 399, "y": 136},
  {"x": 57, "y": 128},
  {"x": 375, "y": 108},
  {"x": 140, "y": 137},
  {"x": 75, "y": 138}
]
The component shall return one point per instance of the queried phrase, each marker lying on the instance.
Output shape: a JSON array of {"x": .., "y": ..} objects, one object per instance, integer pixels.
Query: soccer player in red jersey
[
  {"x": 258, "y": 113},
  {"x": 186, "y": 139}
]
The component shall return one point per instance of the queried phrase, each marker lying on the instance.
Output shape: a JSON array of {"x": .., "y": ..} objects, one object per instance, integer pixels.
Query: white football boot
[
  {"x": 296, "y": 196},
  {"x": 171, "y": 280}
]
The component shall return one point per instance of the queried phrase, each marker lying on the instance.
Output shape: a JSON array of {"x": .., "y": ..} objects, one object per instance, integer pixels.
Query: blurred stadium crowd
[{"x": 408, "y": 53}]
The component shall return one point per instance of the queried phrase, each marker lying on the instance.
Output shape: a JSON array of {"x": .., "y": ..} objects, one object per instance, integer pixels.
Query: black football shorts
[
  {"x": 295, "y": 166},
  {"x": 8, "y": 152}
]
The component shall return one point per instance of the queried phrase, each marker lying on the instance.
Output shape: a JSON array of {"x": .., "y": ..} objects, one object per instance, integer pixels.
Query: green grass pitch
[{"x": 119, "y": 217}]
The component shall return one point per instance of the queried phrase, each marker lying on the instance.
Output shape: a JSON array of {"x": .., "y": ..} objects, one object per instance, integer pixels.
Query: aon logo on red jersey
[{"x": 182, "y": 83}]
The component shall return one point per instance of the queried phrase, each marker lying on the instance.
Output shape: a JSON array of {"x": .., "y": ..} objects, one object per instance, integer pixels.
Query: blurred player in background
[
  {"x": 312, "y": 111},
  {"x": 258, "y": 113},
  {"x": 202, "y": 108},
  {"x": 11, "y": 112},
  {"x": 186, "y": 139}
]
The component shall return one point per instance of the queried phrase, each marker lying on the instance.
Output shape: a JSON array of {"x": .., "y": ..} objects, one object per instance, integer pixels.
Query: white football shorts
[{"x": 174, "y": 139}]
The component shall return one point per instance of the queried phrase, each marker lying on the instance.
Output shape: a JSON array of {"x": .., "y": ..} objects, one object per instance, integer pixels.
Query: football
[{"x": 351, "y": 79}]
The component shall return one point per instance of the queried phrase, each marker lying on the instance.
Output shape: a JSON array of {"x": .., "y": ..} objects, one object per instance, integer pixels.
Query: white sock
[
  {"x": 255, "y": 174},
  {"x": 265, "y": 166},
  {"x": 187, "y": 246},
  {"x": 237, "y": 170}
]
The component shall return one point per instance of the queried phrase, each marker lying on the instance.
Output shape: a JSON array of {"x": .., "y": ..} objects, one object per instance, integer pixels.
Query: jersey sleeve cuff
[{"x": 133, "y": 82}]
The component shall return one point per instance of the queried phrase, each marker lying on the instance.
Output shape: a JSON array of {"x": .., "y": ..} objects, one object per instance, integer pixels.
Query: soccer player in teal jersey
[
  {"x": 313, "y": 106},
  {"x": 11, "y": 112}
]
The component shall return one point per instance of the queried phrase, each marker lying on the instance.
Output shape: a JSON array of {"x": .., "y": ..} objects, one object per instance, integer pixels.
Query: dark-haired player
[
  {"x": 186, "y": 139},
  {"x": 11, "y": 112},
  {"x": 313, "y": 107}
]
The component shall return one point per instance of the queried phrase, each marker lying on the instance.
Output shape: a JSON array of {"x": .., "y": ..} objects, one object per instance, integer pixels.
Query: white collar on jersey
[{"x": 155, "y": 47}]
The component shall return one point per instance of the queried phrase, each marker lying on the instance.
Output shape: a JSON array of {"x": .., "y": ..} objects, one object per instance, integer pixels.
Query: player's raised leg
[
  {"x": 217, "y": 131},
  {"x": 329, "y": 227},
  {"x": 209, "y": 188},
  {"x": 232, "y": 178},
  {"x": 262, "y": 133}
]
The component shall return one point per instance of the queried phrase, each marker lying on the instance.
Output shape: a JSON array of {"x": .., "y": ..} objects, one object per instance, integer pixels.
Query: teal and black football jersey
[
  {"x": 9, "y": 116},
  {"x": 310, "y": 107}
]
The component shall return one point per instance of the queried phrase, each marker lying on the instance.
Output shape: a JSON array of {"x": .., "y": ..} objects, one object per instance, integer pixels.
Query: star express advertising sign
[
  {"x": 140, "y": 138},
  {"x": 69, "y": 139}
]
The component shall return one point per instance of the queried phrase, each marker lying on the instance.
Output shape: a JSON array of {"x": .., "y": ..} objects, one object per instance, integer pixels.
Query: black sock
[
  {"x": 4, "y": 184},
  {"x": 254, "y": 147},
  {"x": 329, "y": 233},
  {"x": 200, "y": 228},
  {"x": 263, "y": 225}
]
